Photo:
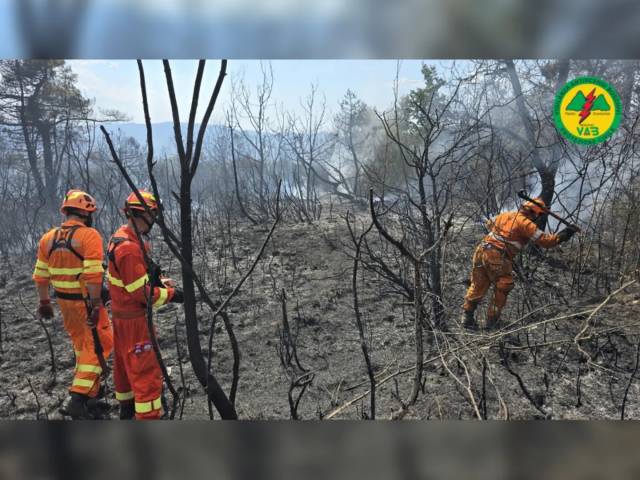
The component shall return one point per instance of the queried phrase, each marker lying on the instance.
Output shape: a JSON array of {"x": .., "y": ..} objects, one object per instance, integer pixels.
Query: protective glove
[
  {"x": 566, "y": 234},
  {"x": 94, "y": 316},
  {"x": 45, "y": 310},
  {"x": 178, "y": 296}
]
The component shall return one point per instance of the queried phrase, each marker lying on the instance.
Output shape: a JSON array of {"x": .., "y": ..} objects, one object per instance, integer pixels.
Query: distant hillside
[{"x": 163, "y": 138}]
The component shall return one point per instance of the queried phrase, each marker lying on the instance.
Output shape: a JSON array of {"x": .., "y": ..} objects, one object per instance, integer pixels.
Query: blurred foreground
[
  {"x": 312, "y": 450},
  {"x": 299, "y": 29}
]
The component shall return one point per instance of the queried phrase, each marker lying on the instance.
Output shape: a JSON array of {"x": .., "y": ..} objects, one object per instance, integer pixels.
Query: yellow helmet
[{"x": 79, "y": 200}]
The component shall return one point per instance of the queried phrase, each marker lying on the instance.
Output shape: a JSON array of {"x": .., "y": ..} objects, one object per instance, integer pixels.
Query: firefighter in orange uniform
[
  {"x": 70, "y": 260},
  {"x": 509, "y": 232},
  {"x": 136, "y": 374}
]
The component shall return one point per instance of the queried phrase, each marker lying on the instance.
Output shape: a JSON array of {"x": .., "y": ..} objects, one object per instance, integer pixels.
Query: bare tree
[{"x": 537, "y": 131}]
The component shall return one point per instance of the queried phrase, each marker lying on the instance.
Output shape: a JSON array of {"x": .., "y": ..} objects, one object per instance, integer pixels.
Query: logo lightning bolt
[{"x": 586, "y": 109}]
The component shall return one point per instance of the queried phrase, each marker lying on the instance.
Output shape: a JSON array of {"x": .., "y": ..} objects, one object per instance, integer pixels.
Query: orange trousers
[
  {"x": 491, "y": 266},
  {"x": 86, "y": 379},
  {"x": 136, "y": 371}
]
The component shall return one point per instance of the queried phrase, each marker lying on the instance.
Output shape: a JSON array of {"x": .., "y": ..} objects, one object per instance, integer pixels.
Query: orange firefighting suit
[
  {"x": 136, "y": 371},
  {"x": 67, "y": 258},
  {"x": 493, "y": 258}
]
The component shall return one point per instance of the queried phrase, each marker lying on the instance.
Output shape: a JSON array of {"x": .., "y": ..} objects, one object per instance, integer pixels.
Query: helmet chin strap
[{"x": 133, "y": 215}]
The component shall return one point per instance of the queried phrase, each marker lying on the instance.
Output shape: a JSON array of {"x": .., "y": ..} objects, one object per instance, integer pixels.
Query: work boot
[
  {"x": 98, "y": 409},
  {"x": 127, "y": 411},
  {"x": 491, "y": 323},
  {"x": 76, "y": 407},
  {"x": 468, "y": 321}
]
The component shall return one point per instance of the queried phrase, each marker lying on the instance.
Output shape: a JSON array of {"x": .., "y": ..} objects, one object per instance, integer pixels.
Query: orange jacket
[
  {"x": 128, "y": 279},
  {"x": 511, "y": 231},
  {"x": 63, "y": 268}
]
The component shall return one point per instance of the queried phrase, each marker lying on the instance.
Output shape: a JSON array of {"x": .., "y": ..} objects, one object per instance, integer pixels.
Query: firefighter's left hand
[{"x": 45, "y": 310}]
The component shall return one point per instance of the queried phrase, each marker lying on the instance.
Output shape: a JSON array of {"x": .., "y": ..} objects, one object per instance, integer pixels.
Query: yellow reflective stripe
[
  {"x": 124, "y": 396},
  {"x": 77, "y": 352},
  {"x": 133, "y": 286},
  {"x": 81, "y": 382},
  {"x": 83, "y": 367},
  {"x": 146, "y": 407},
  {"x": 61, "y": 284},
  {"x": 65, "y": 271},
  {"x": 91, "y": 263},
  {"x": 94, "y": 269},
  {"x": 502, "y": 239},
  {"x": 162, "y": 298},
  {"x": 114, "y": 281},
  {"x": 38, "y": 272},
  {"x": 41, "y": 264}
]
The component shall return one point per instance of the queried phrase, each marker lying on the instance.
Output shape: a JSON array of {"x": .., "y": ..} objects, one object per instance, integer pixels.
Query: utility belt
[
  {"x": 69, "y": 296},
  {"x": 78, "y": 296},
  {"x": 491, "y": 246},
  {"x": 504, "y": 251}
]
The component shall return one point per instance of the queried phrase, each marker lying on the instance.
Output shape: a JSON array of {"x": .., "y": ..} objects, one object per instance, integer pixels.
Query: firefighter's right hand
[
  {"x": 566, "y": 234},
  {"x": 94, "y": 316},
  {"x": 178, "y": 296},
  {"x": 45, "y": 310}
]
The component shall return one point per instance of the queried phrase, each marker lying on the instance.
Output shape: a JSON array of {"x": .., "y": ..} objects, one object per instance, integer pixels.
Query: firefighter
[
  {"x": 70, "y": 260},
  {"x": 136, "y": 371},
  {"x": 509, "y": 232}
]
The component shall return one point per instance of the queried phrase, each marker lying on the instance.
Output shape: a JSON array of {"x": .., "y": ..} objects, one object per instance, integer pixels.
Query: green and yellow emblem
[{"x": 587, "y": 110}]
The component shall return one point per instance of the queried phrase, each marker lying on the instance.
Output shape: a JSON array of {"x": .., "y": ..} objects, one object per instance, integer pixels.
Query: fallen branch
[
  {"x": 578, "y": 336},
  {"x": 49, "y": 342},
  {"x": 631, "y": 378},
  {"x": 39, "y": 407},
  {"x": 481, "y": 342},
  {"x": 523, "y": 387}
]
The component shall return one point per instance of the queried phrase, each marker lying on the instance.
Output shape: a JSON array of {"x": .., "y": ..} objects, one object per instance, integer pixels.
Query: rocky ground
[{"x": 536, "y": 372}]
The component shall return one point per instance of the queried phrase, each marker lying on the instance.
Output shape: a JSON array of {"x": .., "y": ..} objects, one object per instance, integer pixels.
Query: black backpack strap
[
  {"x": 54, "y": 242},
  {"x": 65, "y": 242},
  {"x": 72, "y": 232},
  {"x": 111, "y": 251}
]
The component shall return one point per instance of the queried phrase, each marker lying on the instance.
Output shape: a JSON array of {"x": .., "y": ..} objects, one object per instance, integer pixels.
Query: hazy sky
[{"x": 114, "y": 84}]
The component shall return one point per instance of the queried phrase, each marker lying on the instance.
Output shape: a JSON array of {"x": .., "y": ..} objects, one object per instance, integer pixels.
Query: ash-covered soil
[{"x": 536, "y": 372}]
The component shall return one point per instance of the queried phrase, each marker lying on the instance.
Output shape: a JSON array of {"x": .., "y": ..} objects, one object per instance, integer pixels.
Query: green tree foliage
[
  {"x": 420, "y": 105},
  {"x": 418, "y": 114},
  {"x": 40, "y": 104},
  {"x": 354, "y": 124}
]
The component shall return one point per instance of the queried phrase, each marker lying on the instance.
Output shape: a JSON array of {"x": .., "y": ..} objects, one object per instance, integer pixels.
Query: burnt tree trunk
[
  {"x": 188, "y": 165},
  {"x": 546, "y": 168}
]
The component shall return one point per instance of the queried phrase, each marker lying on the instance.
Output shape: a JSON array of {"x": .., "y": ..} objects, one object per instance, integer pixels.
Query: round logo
[{"x": 587, "y": 110}]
